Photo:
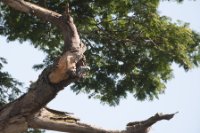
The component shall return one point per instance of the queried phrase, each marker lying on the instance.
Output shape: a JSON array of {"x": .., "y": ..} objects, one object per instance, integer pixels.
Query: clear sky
[{"x": 182, "y": 93}]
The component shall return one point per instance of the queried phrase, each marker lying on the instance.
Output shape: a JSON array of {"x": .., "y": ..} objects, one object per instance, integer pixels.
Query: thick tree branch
[
  {"x": 53, "y": 79},
  {"x": 65, "y": 123}
]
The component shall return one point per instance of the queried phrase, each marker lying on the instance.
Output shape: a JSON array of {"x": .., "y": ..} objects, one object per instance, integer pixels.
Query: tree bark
[
  {"x": 46, "y": 119},
  {"x": 28, "y": 110}
]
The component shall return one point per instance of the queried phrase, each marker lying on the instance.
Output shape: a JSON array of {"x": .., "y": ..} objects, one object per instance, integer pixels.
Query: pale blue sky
[{"x": 182, "y": 93}]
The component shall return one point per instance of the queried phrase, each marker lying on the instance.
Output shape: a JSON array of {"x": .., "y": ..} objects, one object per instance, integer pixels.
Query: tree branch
[
  {"x": 35, "y": 10},
  {"x": 56, "y": 120},
  {"x": 73, "y": 48},
  {"x": 53, "y": 79},
  {"x": 63, "y": 21}
]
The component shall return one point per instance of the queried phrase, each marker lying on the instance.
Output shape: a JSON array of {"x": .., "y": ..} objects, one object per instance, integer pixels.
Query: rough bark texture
[{"x": 28, "y": 111}]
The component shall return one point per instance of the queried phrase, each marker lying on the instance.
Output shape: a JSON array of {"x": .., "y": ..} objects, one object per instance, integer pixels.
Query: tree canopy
[{"x": 130, "y": 46}]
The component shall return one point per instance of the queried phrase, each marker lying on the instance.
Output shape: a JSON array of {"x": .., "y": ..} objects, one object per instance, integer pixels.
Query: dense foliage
[{"x": 130, "y": 46}]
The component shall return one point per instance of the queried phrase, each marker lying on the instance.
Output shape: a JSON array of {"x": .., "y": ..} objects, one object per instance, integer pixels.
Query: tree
[{"x": 145, "y": 42}]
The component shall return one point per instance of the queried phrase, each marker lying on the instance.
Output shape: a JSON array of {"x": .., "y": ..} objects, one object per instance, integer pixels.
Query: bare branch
[
  {"x": 144, "y": 126},
  {"x": 59, "y": 121},
  {"x": 50, "y": 120}
]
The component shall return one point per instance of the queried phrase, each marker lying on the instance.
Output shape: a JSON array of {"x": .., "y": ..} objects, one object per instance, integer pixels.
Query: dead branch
[{"x": 60, "y": 121}]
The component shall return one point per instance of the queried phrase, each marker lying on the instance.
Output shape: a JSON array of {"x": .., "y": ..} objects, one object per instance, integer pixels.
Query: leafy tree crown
[{"x": 130, "y": 46}]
